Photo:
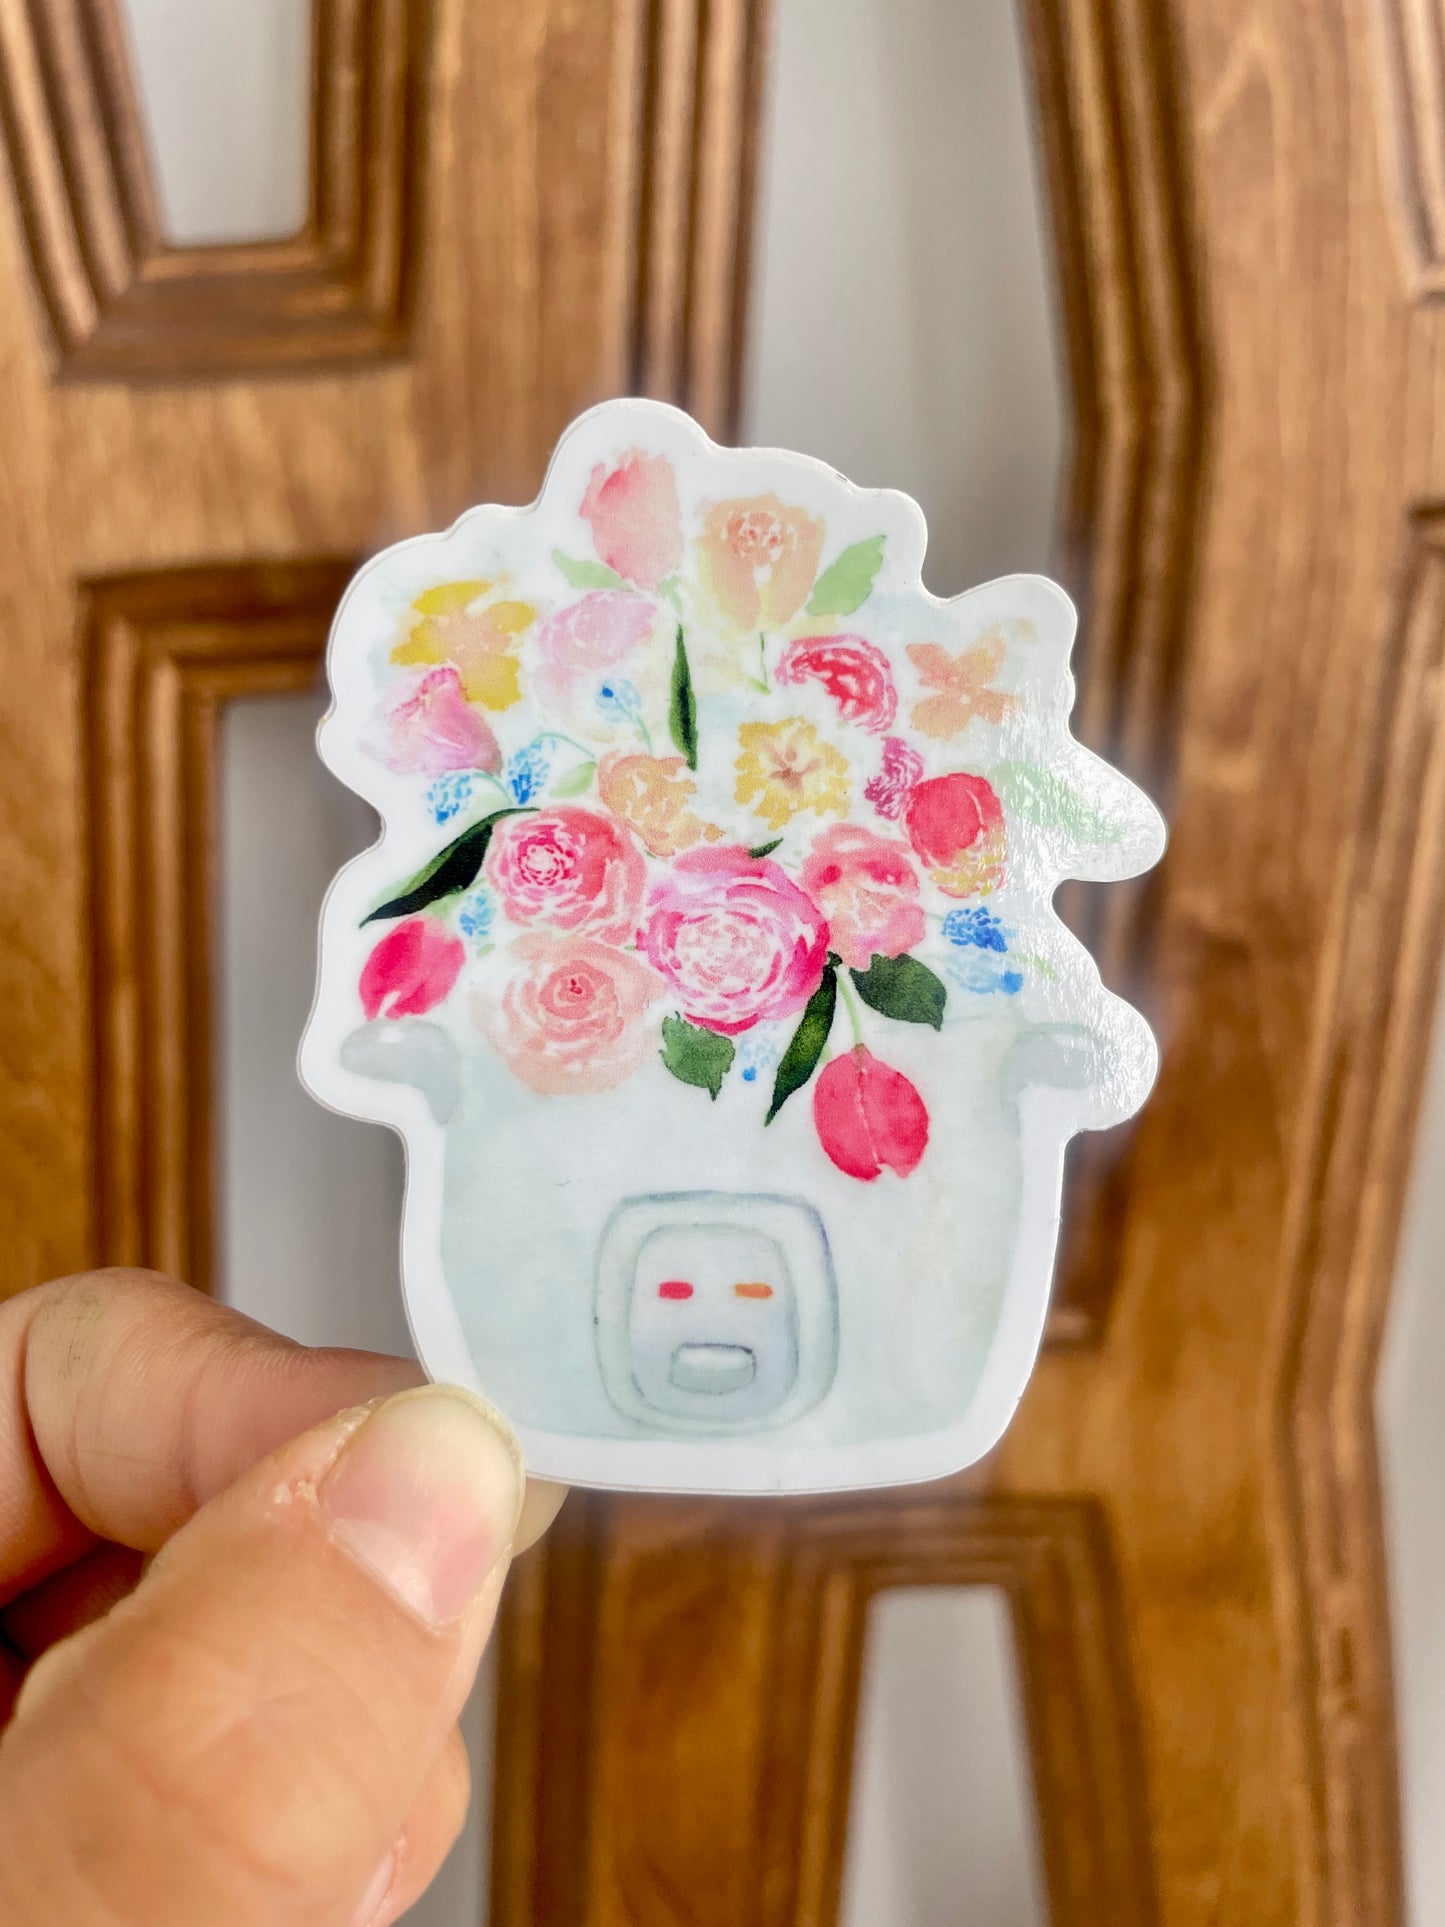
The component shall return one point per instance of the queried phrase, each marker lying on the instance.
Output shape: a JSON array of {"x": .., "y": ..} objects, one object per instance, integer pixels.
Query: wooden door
[{"x": 514, "y": 211}]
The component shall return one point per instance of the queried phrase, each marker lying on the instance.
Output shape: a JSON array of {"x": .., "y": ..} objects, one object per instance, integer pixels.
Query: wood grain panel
[
  {"x": 771, "y": 1707},
  {"x": 124, "y": 303},
  {"x": 700, "y": 84},
  {"x": 1412, "y": 125}
]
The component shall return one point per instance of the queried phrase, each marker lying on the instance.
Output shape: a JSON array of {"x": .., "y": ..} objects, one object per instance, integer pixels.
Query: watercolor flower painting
[{"x": 699, "y": 774}]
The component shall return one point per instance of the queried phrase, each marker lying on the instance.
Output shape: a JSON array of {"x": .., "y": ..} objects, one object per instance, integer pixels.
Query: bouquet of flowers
[{"x": 689, "y": 807}]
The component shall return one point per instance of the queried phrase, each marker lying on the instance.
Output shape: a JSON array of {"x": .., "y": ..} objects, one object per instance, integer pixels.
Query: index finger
[{"x": 127, "y": 1400}]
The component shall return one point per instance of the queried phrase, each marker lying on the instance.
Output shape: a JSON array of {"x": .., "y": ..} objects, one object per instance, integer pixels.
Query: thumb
[{"x": 264, "y": 1729}]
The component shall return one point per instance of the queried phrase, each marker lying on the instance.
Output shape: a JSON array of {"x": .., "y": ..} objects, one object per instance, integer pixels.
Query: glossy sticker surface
[{"x": 708, "y": 968}]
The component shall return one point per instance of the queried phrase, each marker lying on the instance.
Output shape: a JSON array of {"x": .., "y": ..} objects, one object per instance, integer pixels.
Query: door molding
[
  {"x": 1360, "y": 1103},
  {"x": 161, "y": 653},
  {"x": 123, "y": 302},
  {"x": 624, "y": 1832}
]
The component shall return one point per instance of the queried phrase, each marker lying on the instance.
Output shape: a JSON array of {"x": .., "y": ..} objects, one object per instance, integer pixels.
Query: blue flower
[
  {"x": 971, "y": 924},
  {"x": 528, "y": 770},
  {"x": 449, "y": 794},
  {"x": 759, "y": 1050},
  {"x": 475, "y": 917},
  {"x": 619, "y": 701},
  {"x": 981, "y": 974}
]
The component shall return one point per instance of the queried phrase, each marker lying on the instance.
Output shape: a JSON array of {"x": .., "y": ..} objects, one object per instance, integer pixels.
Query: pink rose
[
  {"x": 411, "y": 970},
  {"x": 955, "y": 823},
  {"x": 596, "y": 632},
  {"x": 735, "y": 937},
  {"x": 854, "y": 673},
  {"x": 868, "y": 890},
  {"x": 902, "y": 767},
  {"x": 567, "y": 1014},
  {"x": 636, "y": 522},
  {"x": 429, "y": 727},
  {"x": 568, "y": 866},
  {"x": 868, "y": 1116}
]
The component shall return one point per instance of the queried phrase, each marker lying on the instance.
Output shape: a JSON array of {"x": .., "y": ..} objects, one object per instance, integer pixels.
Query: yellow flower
[
  {"x": 786, "y": 767},
  {"x": 452, "y": 624}
]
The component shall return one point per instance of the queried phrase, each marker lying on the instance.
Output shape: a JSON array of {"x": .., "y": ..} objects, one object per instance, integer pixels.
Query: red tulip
[
  {"x": 868, "y": 1115},
  {"x": 412, "y": 969}
]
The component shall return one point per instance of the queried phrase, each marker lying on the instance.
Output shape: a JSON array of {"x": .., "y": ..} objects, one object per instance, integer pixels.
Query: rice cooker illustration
[{"x": 708, "y": 968}]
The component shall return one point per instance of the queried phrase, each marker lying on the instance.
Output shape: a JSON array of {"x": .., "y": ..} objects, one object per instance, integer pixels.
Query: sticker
[{"x": 708, "y": 968}]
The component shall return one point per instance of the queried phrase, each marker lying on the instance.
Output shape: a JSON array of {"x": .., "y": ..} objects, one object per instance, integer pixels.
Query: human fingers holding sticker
[{"x": 262, "y": 1725}]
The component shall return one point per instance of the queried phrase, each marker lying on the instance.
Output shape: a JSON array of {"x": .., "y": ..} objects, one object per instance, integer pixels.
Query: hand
[{"x": 234, "y": 1648}]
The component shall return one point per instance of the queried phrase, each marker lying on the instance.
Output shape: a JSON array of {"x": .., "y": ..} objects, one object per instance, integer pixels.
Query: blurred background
[{"x": 904, "y": 320}]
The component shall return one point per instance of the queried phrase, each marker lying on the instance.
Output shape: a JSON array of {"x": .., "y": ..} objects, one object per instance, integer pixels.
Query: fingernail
[
  {"x": 426, "y": 1494},
  {"x": 377, "y": 1888}
]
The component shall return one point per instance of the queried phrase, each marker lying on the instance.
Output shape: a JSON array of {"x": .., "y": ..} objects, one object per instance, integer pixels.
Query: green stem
[
  {"x": 850, "y": 1003},
  {"x": 763, "y": 662},
  {"x": 556, "y": 736},
  {"x": 646, "y": 737}
]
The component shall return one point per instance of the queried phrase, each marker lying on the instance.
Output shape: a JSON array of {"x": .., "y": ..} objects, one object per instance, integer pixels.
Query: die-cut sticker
[{"x": 708, "y": 968}]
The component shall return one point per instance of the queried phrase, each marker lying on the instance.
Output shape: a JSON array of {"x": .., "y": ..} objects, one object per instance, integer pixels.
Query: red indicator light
[{"x": 674, "y": 1288}]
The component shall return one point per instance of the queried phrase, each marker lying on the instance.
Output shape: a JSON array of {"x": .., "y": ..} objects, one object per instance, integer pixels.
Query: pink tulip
[
  {"x": 411, "y": 970},
  {"x": 636, "y": 521},
  {"x": 428, "y": 727},
  {"x": 868, "y": 1115}
]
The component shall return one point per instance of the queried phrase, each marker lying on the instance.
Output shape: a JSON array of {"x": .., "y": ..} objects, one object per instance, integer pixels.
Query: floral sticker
[{"x": 712, "y": 931}]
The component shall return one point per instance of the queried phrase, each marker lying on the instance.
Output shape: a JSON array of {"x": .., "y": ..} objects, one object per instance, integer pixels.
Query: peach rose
[
  {"x": 636, "y": 522},
  {"x": 655, "y": 794},
  {"x": 868, "y": 890},
  {"x": 757, "y": 558},
  {"x": 567, "y": 1014}
]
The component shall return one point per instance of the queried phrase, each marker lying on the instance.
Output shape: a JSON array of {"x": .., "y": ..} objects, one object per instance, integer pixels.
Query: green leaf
[
  {"x": 586, "y": 575},
  {"x": 846, "y": 584},
  {"x": 682, "y": 713},
  {"x": 1038, "y": 796},
  {"x": 904, "y": 988},
  {"x": 696, "y": 1056},
  {"x": 671, "y": 587},
  {"x": 577, "y": 779},
  {"x": 450, "y": 871},
  {"x": 805, "y": 1046},
  {"x": 765, "y": 849}
]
